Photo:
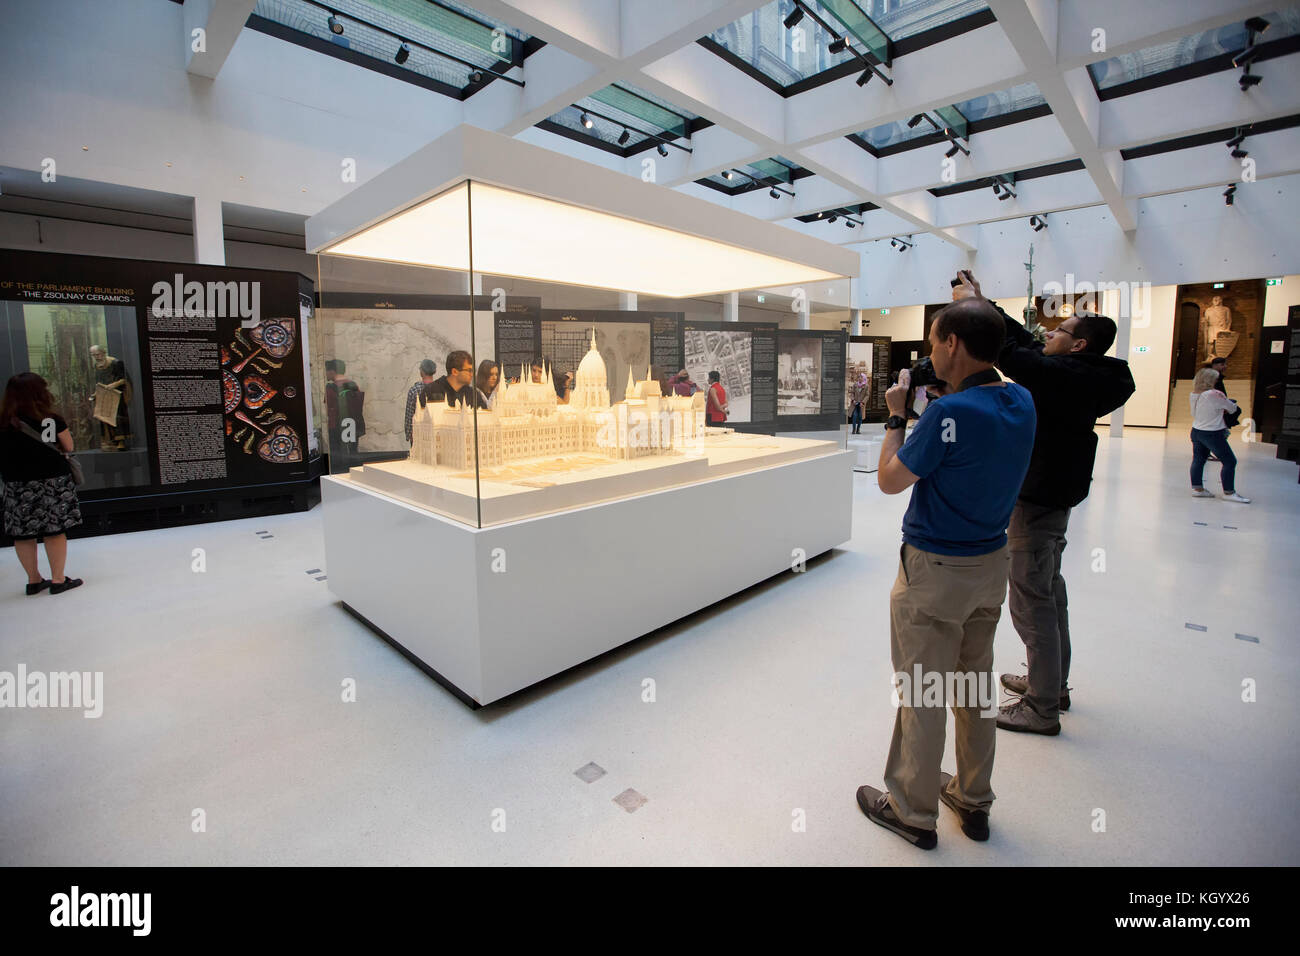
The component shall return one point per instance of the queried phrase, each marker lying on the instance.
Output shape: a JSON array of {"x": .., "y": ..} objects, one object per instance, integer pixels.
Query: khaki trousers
[{"x": 943, "y": 612}]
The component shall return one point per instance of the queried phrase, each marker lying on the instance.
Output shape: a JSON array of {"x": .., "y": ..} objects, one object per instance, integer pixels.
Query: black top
[
  {"x": 114, "y": 371},
  {"x": 23, "y": 458},
  {"x": 1070, "y": 393},
  {"x": 440, "y": 390}
]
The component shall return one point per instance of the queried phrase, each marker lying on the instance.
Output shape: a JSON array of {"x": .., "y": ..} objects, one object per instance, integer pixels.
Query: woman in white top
[{"x": 1210, "y": 435}]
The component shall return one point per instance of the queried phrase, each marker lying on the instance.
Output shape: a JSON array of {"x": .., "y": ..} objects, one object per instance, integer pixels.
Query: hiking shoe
[
  {"x": 875, "y": 804},
  {"x": 1018, "y": 684},
  {"x": 974, "y": 823},
  {"x": 1239, "y": 499},
  {"x": 1022, "y": 718},
  {"x": 1202, "y": 493}
]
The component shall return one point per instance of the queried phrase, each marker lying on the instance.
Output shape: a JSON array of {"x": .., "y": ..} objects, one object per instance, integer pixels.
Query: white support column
[
  {"x": 1123, "y": 325},
  {"x": 209, "y": 240},
  {"x": 627, "y": 301},
  {"x": 856, "y": 327},
  {"x": 805, "y": 318},
  {"x": 211, "y": 29},
  {"x": 731, "y": 307}
]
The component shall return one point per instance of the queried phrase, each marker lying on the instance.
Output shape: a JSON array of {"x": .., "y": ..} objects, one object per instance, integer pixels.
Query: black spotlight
[
  {"x": 726, "y": 174},
  {"x": 623, "y": 137},
  {"x": 1228, "y": 194},
  {"x": 834, "y": 217},
  {"x": 916, "y": 121},
  {"x": 953, "y": 152},
  {"x": 1247, "y": 55},
  {"x": 1239, "y": 153},
  {"x": 1248, "y": 80},
  {"x": 837, "y": 45},
  {"x": 476, "y": 77},
  {"x": 1256, "y": 24},
  {"x": 773, "y": 193},
  {"x": 586, "y": 121},
  {"x": 849, "y": 223},
  {"x": 819, "y": 215},
  {"x": 1038, "y": 222},
  {"x": 893, "y": 243},
  {"x": 1005, "y": 194},
  {"x": 1237, "y": 140},
  {"x": 864, "y": 78},
  {"x": 663, "y": 150},
  {"x": 402, "y": 55},
  {"x": 335, "y": 25},
  {"x": 795, "y": 16}
]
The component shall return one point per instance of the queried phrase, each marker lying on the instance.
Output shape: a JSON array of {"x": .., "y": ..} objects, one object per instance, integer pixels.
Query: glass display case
[
  {"x": 491, "y": 355},
  {"x": 545, "y": 383}
]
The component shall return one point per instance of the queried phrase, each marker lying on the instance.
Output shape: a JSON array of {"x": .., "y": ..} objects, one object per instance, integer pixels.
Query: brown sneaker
[
  {"x": 875, "y": 804},
  {"x": 1018, "y": 684},
  {"x": 1022, "y": 718}
]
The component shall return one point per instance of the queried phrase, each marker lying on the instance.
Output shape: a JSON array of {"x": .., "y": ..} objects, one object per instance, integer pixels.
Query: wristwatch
[{"x": 895, "y": 421}]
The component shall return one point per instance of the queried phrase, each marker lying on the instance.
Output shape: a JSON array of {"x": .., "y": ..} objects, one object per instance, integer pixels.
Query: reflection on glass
[
  {"x": 89, "y": 355},
  {"x": 787, "y": 56},
  {"x": 1153, "y": 60}
]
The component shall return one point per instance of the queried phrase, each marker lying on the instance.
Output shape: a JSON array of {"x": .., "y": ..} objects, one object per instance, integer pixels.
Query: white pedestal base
[{"x": 491, "y": 611}]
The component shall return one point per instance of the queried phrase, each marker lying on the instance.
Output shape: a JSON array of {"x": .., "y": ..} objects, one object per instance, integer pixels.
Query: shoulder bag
[{"x": 74, "y": 466}]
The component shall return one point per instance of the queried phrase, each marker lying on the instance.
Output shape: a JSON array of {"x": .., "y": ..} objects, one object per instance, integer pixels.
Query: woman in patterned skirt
[{"x": 40, "y": 497}]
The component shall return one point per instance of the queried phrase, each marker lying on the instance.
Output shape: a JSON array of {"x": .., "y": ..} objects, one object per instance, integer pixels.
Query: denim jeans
[
  {"x": 857, "y": 416},
  {"x": 1203, "y": 443}
]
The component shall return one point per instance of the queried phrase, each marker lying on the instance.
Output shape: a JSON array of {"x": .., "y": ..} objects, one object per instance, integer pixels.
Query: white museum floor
[{"x": 222, "y": 691}]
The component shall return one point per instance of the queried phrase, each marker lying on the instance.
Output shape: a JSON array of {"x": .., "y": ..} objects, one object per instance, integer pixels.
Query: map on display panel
[{"x": 533, "y": 454}]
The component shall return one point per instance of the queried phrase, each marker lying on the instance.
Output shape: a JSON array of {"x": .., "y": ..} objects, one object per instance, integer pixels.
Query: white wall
[
  {"x": 903, "y": 323},
  {"x": 1153, "y": 329},
  {"x": 20, "y": 231},
  {"x": 1279, "y": 298}
]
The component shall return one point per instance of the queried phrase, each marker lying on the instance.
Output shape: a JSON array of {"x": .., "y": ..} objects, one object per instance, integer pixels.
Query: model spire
[{"x": 593, "y": 337}]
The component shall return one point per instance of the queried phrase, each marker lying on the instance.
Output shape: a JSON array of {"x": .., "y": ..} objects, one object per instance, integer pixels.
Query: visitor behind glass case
[{"x": 532, "y": 396}]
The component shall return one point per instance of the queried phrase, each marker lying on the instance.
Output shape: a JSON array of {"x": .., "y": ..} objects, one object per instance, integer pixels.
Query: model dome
[{"x": 591, "y": 370}]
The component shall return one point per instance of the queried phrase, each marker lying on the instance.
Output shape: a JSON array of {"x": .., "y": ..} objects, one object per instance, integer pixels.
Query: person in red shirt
[{"x": 717, "y": 401}]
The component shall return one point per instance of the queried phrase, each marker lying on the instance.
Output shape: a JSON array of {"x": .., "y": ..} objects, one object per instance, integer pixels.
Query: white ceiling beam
[
  {"x": 1031, "y": 26},
  {"x": 924, "y": 80},
  {"x": 1219, "y": 103},
  {"x": 218, "y": 23},
  {"x": 1034, "y": 142},
  {"x": 588, "y": 29},
  {"x": 554, "y": 79},
  {"x": 1033, "y": 197},
  {"x": 714, "y": 149},
  {"x": 651, "y": 31},
  {"x": 1275, "y": 154},
  {"x": 703, "y": 82},
  {"x": 854, "y": 169}
]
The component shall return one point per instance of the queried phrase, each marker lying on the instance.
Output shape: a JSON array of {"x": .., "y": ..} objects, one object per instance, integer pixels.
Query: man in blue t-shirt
[{"x": 965, "y": 462}]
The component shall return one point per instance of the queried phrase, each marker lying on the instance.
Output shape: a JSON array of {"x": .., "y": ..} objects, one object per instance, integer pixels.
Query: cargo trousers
[{"x": 1038, "y": 602}]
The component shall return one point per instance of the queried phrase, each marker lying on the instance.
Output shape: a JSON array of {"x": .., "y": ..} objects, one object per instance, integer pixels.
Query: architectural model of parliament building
[{"x": 527, "y": 421}]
